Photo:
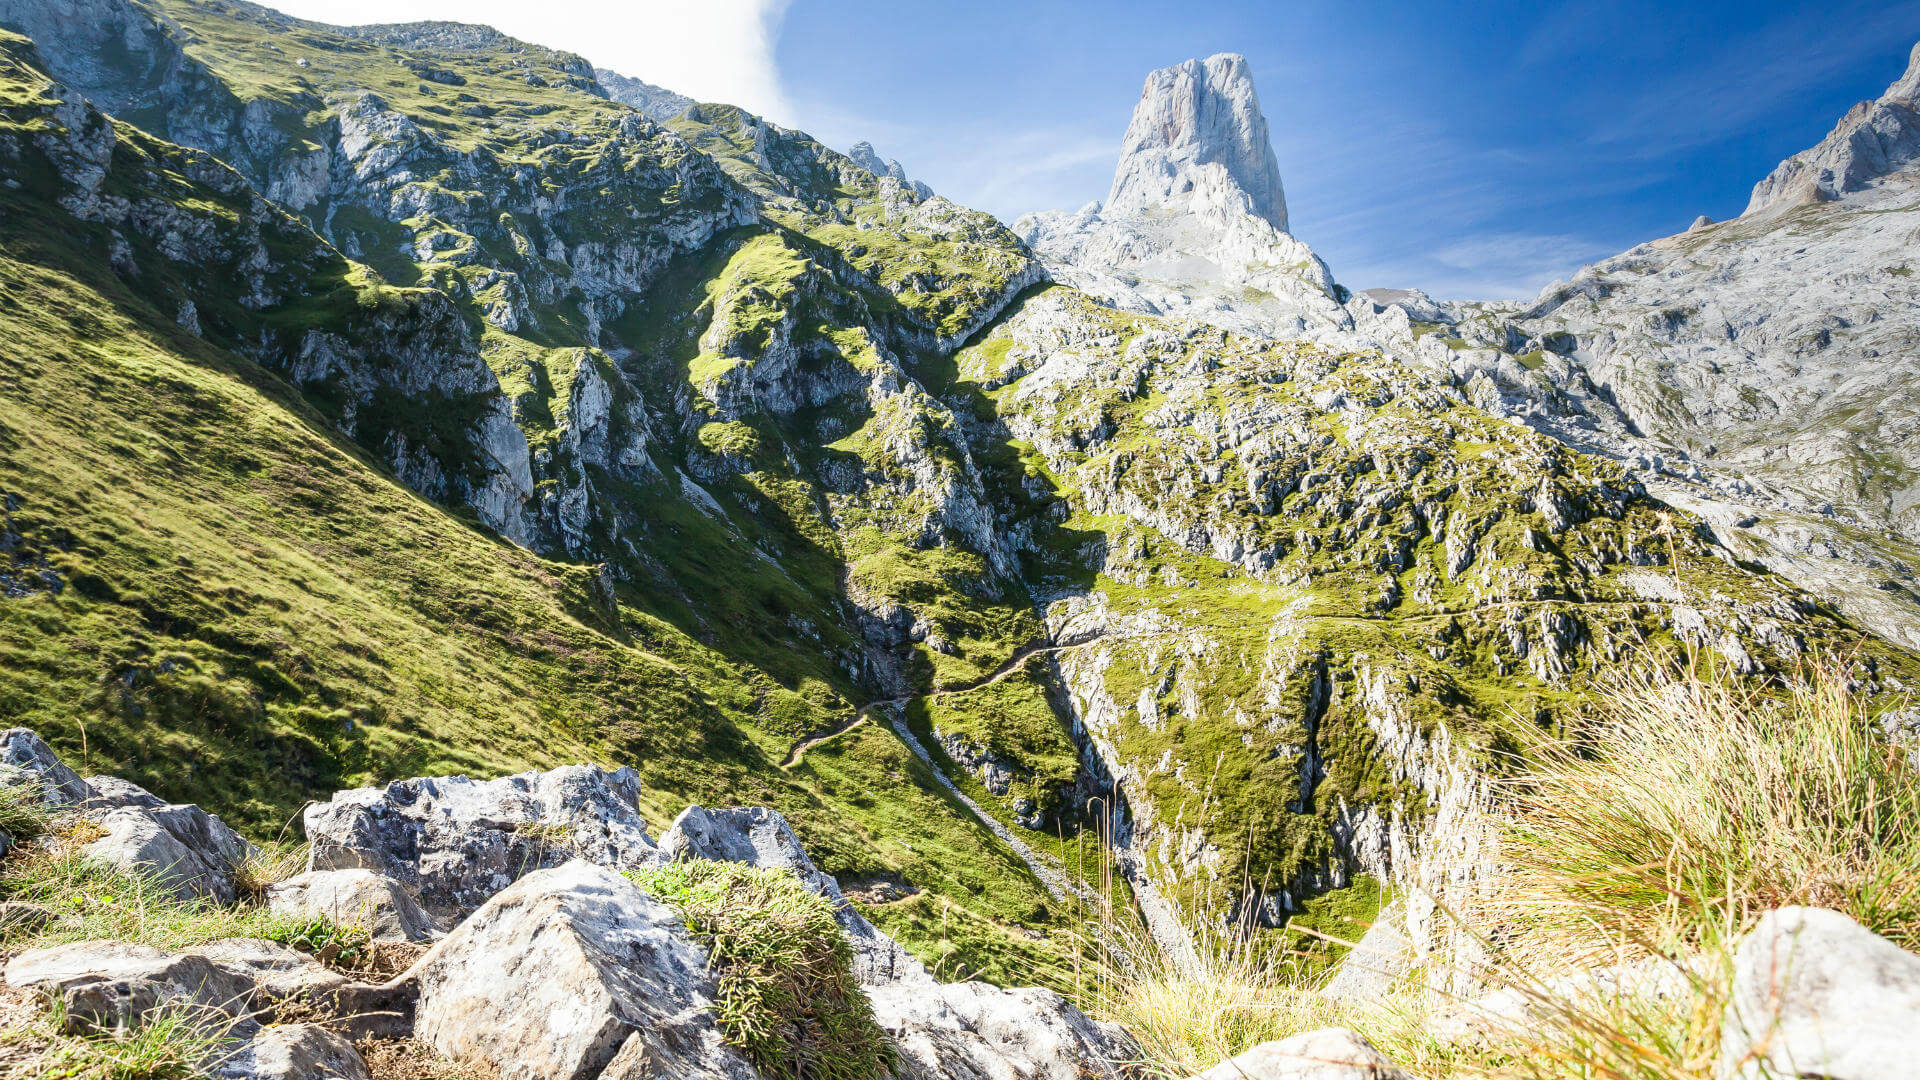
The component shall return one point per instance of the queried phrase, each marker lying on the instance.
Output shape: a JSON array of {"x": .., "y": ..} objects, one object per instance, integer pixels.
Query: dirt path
[
  {"x": 1054, "y": 879},
  {"x": 1014, "y": 663}
]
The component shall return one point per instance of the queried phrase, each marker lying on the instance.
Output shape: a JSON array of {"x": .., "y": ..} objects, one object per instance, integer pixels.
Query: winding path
[
  {"x": 1014, "y": 663},
  {"x": 1056, "y": 882}
]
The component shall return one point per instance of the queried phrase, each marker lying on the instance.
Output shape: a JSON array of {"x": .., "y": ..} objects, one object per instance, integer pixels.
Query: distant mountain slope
[{"x": 1763, "y": 370}]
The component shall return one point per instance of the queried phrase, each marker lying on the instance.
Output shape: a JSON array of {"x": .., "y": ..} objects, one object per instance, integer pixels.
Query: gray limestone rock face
[
  {"x": 1816, "y": 994},
  {"x": 760, "y": 837},
  {"x": 573, "y": 973},
  {"x": 1198, "y": 137},
  {"x": 1327, "y": 1054},
  {"x": 353, "y": 897},
  {"x": 657, "y": 102},
  {"x": 453, "y": 842},
  {"x": 974, "y": 1031},
  {"x": 1873, "y": 139}
]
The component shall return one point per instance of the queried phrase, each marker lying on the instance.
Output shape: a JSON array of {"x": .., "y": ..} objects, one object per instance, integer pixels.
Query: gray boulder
[
  {"x": 191, "y": 852},
  {"x": 454, "y": 842},
  {"x": 353, "y": 897},
  {"x": 292, "y": 1052},
  {"x": 26, "y": 758},
  {"x": 109, "y": 792},
  {"x": 1327, "y": 1054},
  {"x": 760, "y": 837},
  {"x": 974, "y": 1031},
  {"x": 1816, "y": 994},
  {"x": 574, "y": 973},
  {"x": 113, "y": 985}
]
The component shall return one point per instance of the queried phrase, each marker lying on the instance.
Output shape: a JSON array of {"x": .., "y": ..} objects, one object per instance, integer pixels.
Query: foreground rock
[
  {"x": 1816, "y": 994},
  {"x": 293, "y": 1052},
  {"x": 238, "y": 982},
  {"x": 454, "y": 842},
  {"x": 374, "y": 902},
  {"x": 574, "y": 973},
  {"x": 760, "y": 837},
  {"x": 26, "y": 758},
  {"x": 1328, "y": 1054},
  {"x": 974, "y": 1031},
  {"x": 188, "y": 851}
]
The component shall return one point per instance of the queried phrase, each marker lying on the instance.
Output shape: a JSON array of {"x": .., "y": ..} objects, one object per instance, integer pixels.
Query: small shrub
[
  {"x": 342, "y": 946},
  {"x": 787, "y": 995},
  {"x": 269, "y": 865}
]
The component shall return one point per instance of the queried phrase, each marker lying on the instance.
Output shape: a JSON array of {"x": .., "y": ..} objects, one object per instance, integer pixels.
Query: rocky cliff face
[
  {"x": 1758, "y": 369},
  {"x": 1874, "y": 138},
  {"x": 1198, "y": 144}
]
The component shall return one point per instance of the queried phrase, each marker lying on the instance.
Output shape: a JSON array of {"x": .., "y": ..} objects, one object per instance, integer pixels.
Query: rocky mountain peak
[
  {"x": 1198, "y": 139},
  {"x": 1873, "y": 139}
]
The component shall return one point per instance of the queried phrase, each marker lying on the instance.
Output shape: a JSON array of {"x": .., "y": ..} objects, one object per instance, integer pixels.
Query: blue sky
[{"x": 1476, "y": 150}]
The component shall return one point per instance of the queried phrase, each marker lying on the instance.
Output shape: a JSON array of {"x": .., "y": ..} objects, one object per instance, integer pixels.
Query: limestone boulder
[
  {"x": 189, "y": 851},
  {"x": 292, "y": 1052},
  {"x": 975, "y": 1031},
  {"x": 1816, "y": 994},
  {"x": 573, "y": 973},
  {"x": 454, "y": 842},
  {"x": 375, "y": 902}
]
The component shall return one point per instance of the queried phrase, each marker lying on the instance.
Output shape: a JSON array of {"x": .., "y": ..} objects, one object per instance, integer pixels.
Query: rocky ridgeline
[{"x": 534, "y": 956}]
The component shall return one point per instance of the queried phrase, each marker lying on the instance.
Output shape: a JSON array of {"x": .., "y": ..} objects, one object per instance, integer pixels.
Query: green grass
[{"x": 787, "y": 997}]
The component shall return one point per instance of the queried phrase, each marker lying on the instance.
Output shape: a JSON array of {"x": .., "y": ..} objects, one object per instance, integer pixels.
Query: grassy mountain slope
[{"x": 210, "y": 590}]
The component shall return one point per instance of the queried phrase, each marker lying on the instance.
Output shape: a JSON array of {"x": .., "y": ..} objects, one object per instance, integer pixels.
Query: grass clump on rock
[{"x": 787, "y": 995}]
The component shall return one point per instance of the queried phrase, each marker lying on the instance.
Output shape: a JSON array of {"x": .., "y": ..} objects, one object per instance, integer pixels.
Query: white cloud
[{"x": 713, "y": 50}]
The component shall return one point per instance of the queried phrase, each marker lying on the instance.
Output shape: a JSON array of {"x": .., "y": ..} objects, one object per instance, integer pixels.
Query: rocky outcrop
[
  {"x": 1872, "y": 140},
  {"x": 454, "y": 842},
  {"x": 659, "y": 103},
  {"x": 1815, "y": 994},
  {"x": 1198, "y": 144},
  {"x": 1196, "y": 222},
  {"x": 574, "y": 973}
]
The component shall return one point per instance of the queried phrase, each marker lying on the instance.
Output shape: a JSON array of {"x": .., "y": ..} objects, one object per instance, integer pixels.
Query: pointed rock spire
[{"x": 1198, "y": 141}]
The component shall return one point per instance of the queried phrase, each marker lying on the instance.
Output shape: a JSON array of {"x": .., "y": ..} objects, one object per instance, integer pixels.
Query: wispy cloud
[{"x": 715, "y": 50}]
